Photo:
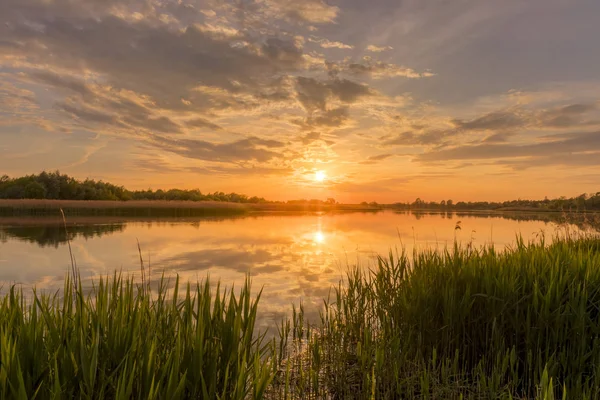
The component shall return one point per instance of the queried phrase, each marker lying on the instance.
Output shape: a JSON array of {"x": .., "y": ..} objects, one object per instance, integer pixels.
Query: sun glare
[
  {"x": 319, "y": 237},
  {"x": 320, "y": 176}
]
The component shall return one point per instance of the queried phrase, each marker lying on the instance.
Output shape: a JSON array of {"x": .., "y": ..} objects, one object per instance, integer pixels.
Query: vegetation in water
[
  {"x": 120, "y": 342},
  {"x": 461, "y": 323},
  {"x": 457, "y": 323}
]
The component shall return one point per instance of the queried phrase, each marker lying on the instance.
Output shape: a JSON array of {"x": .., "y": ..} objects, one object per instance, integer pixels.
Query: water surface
[{"x": 294, "y": 257}]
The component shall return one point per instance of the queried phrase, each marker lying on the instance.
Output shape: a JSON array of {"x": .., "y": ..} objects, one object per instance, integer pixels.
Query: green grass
[
  {"x": 119, "y": 342},
  {"x": 462, "y": 323}
]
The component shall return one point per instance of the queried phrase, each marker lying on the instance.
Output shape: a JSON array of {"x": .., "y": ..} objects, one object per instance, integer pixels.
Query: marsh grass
[
  {"x": 119, "y": 341},
  {"x": 163, "y": 208},
  {"x": 133, "y": 208},
  {"x": 461, "y": 323}
]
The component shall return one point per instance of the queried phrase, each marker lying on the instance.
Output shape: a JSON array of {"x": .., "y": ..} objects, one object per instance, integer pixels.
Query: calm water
[{"x": 295, "y": 257}]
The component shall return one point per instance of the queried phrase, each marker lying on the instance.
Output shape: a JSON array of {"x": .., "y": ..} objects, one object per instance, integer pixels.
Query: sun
[{"x": 320, "y": 176}]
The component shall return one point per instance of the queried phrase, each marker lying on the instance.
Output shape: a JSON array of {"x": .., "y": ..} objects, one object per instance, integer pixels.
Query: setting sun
[{"x": 320, "y": 176}]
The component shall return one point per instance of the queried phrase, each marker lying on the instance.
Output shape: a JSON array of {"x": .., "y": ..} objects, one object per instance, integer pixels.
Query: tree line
[
  {"x": 57, "y": 186},
  {"x": 583, "y": 202}
]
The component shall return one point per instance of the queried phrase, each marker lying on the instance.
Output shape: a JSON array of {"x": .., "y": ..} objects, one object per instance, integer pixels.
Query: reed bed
[
  {"x": 161, "y": 208},
  {"x": 119, "y": 342},
  {"x": 107, "y": 208},
  {"x": 462, "y": 323}
]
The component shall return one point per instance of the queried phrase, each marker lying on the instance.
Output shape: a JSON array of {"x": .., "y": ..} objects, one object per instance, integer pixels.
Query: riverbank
[
  {"x": 460, "y": 323},
  {"x": 157, "y": 208}
]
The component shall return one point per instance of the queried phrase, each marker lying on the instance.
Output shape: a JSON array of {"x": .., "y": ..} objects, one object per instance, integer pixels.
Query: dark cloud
[
  {"x": 493, "y": 121},
  {"x": 567, "y": 116},
  {"x": 153, "y": 60},
  {"x": 86, "y": 114},
  {"x": 202, "y": 123},
  {"x": 555, "y": 145},
  {"x": 332, "y": 118},
  {"x": 249, "y": 149},
  {"x": 314, "y": 94},
  {"x": 499, "y": 137},
  {"x": 155, "y": 164},
  {"x": 513, "y": 119},
  {"x": 64, "y": 82},
  {"x": 312, "y": 137}
]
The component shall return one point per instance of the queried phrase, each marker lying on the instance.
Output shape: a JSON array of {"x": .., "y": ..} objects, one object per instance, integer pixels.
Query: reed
[
  {"x": 461, "y": 323},
  {"x": 120, "y": 342}
]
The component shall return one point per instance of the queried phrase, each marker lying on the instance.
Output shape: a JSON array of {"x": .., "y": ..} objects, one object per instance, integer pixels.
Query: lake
[{"x": 294, "y": 257}]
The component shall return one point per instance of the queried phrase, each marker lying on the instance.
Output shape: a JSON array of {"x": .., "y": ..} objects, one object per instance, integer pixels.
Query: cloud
[
  {"x": 309, "y": 11},
  {"x": 16, "y": 100},
  {"x": 87, "y": 114},
  {"x": 151, "y": 60},
  {"x": 327, "y": 44},
  {"x": 586, "y": 159},
  {"x": 568, "y": 116},
  {"x": 202, "y": 123},
  {"x": 555, "y": 145},
  {"x": 377, "y": 49},
  {"x": 499, "y": 137},
  {"x": 377, "y": 158},
  {"x": 248, "y": 149},
  {"x": 314, "y": 94},
  {"x": 374, "y": 69},
  {"x": 493, "y": 121},
  {"x": 333, "y": 118},
  {"x": 157, "y": 163},
  {"x": 410, "y": 138}
]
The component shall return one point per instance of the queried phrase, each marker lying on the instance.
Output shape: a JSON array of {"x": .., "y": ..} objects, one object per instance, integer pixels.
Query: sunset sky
[{"x": 353, "y": 99}]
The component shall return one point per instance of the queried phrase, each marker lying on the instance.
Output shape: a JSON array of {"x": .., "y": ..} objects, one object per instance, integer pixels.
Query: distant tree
[
  {"x": 53, "y": 185},
  {"x": 330, "y": 200},
  {"x": 34, "y": 190}
]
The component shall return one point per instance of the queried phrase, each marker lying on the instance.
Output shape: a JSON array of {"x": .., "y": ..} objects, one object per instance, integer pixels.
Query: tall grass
[
  {"x": 462, "y": 323},
  {"x": 119, "y": 342}
]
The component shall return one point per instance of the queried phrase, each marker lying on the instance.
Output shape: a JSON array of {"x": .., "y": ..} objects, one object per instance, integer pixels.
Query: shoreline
[{"x": 109, "y": 211}]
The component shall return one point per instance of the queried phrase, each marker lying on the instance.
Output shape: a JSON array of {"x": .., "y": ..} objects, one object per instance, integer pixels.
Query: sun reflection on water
[{"x": 319, "y": 237}]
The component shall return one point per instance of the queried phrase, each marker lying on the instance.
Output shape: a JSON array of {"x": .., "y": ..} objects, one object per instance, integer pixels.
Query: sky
[{"x": 384, "y": 100}]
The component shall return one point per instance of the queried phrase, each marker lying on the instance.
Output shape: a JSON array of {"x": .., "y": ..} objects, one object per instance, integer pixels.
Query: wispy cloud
[
  {"x": 328, "y": 44},
  {"x": 378, "y": 49}
]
